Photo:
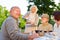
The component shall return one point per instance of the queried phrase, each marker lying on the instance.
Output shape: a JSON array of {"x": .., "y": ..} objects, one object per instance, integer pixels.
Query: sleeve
[{"x": 14, "y": 32}]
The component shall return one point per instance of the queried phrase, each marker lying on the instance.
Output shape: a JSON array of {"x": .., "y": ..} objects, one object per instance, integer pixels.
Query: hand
[
  {"x": 31, "y": 37},
  {"x": 54, "y": 33}
]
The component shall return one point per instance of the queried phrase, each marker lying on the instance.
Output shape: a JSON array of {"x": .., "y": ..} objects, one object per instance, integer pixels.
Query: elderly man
[{"x": 10, "y": 29}]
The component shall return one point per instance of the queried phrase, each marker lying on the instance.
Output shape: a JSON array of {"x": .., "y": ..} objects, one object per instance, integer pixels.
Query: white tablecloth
[
  {"x": 47, "y": 38},
  {"x": 42, "y": 38}
]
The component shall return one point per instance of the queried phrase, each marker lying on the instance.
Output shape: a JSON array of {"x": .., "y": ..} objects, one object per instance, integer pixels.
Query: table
[
  {"x": 47, "y": 38},
  {"x": 42, "y": 38}
]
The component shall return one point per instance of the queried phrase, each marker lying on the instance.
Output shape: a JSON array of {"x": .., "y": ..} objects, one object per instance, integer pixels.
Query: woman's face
[
  {"x": 33, "y": 9},
  {"x": 58, "y": 22},
  {"x": 44, "y": 20}
]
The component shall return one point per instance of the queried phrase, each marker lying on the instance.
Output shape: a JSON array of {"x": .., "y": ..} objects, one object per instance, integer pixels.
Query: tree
[
  {"x": 58, "y": 7},
  {"x": 22, "y": 22},
  {"x": 4, "y": 13},
  {"x": 44, "y": 6}
]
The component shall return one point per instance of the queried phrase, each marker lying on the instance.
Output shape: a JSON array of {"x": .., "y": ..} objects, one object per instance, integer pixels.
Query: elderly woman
[
  {"x": 32, "y": 19},
  {"x": 45, "y": 26}
]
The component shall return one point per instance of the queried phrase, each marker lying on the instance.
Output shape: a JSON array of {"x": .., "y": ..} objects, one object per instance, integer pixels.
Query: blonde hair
[
  {"x": 34, "y": 6},
  {"x": 45, "y": 16}
]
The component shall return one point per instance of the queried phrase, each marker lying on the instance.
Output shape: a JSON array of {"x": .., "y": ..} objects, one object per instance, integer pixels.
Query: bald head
[{"x": 15, "y": 12}]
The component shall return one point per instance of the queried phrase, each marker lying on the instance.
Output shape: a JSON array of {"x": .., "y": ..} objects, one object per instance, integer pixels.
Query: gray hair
[
  {"x": 34, "y": 6},
  {"x": 14, "y": 7}
]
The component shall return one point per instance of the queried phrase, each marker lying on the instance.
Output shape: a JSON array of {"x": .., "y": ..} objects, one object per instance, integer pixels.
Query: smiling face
[
  {"x": 58, "y": 22},
  {"x": 15, "y": 12},
  {"x": 44, "y": 20}
]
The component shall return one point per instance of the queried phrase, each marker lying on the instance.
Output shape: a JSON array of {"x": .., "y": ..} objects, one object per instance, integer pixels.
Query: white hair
[{"x": 34, "y": 6}]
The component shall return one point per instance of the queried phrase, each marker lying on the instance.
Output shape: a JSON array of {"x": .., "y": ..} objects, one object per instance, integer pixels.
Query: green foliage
[
  {"x": 52, "y": 22},
  {"x": 39, "y": 22},
  {"x": 45, "y": 6},
  {"x": 58, "y": 7},
  {"x": 4, "y": 13},
  {"x": 22, "y": 23}
]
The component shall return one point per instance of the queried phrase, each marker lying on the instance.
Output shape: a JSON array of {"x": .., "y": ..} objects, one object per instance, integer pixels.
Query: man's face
[
  {"x": 15, "y": 12},
  {"x": 33, "y": 9}
]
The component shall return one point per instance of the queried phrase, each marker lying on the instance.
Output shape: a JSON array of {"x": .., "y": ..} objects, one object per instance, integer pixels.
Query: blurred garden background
[{"x": 44, "y": 6}]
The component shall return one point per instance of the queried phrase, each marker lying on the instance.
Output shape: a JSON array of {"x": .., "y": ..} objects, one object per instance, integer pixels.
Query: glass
[
  {"x": 45, "y": 31},
  {"x": 38, "y": 31}
]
